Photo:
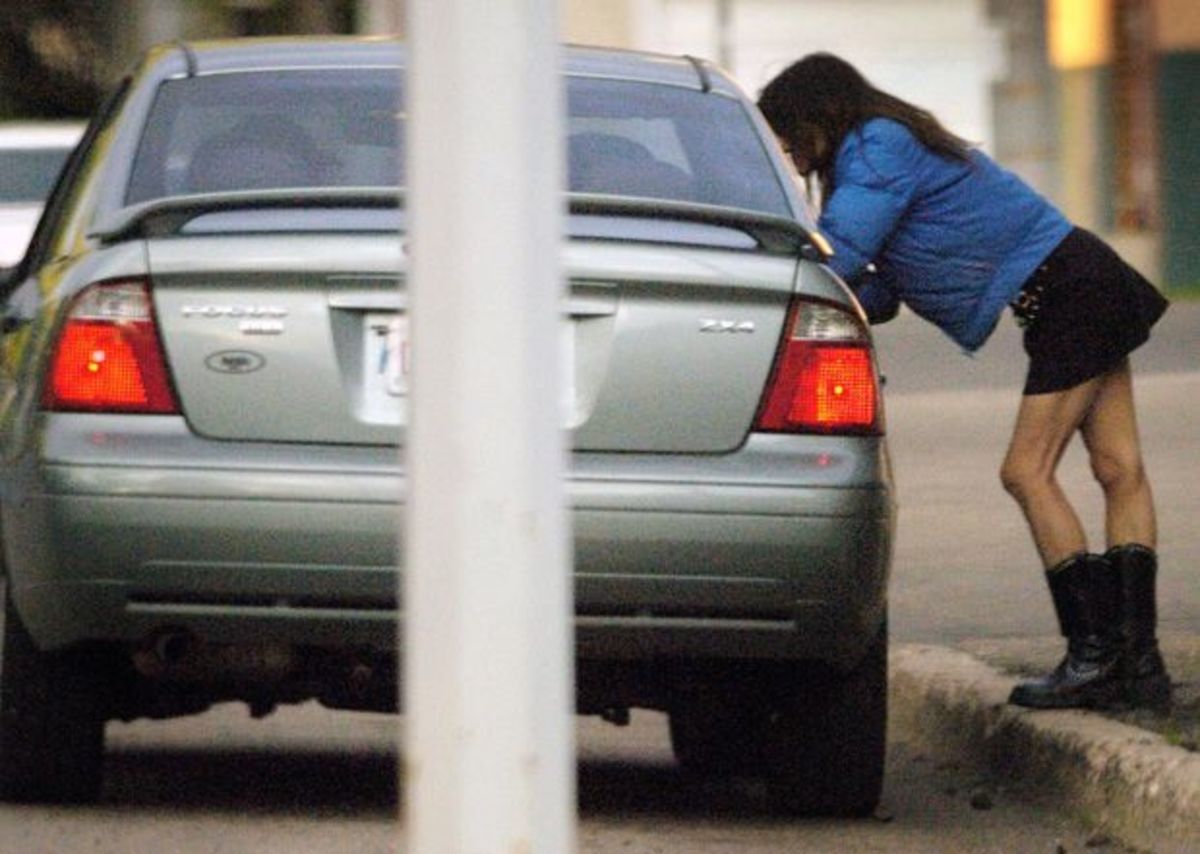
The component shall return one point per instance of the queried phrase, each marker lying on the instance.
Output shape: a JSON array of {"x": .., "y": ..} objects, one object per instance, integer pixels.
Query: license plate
[{"x": 387, "y": 359}]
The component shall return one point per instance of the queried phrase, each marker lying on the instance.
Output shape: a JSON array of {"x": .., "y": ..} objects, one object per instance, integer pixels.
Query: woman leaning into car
[{"x": 957, "y": 238}]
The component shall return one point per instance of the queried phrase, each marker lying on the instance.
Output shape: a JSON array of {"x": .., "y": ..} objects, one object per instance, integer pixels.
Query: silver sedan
[{"x": 204, "y": 382}]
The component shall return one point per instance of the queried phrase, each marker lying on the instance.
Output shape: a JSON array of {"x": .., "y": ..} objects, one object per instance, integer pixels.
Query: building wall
[
  {"x": 941, "y": 54},
  {"x": 1023, "y": 104},
  {"x": 1177, "y": 25},
  {"x": 608, "y": 23},
  {"x": 380, "y": 17},
  {"x": 1178, "y": 83},
  {"x": 1083, "y": 94},
  {"x": 1127, "y": 88}
]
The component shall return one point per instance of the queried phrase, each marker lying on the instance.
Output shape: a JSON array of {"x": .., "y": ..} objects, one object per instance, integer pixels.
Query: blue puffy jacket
[{"x": 952, "y": 240}]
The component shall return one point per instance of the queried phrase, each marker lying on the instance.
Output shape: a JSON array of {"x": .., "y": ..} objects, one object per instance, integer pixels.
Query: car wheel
[
  {"x": 719, "y": 735},
  {"x": 51, "y": 719},
  {"x": 828, "y": 742}
]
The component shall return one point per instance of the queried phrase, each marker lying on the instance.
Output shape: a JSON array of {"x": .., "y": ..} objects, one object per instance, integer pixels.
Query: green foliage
[
  {"x": 51, "y": 62},
  {"x": 59, "y": 57},
  {"x": 1184, "y": 292}
]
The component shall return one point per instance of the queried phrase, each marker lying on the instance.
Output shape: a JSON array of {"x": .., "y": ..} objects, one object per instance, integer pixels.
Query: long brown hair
[{"x": 825, "y": 92}]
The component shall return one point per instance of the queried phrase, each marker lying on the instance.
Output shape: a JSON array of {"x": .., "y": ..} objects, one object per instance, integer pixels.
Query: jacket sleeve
[{"x": 875, "y": 181}]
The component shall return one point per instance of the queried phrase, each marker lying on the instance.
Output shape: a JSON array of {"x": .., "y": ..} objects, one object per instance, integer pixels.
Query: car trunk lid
[{"x": 300, "y": 338}]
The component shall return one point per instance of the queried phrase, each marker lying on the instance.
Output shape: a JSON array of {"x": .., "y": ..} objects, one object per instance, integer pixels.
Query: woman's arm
[
  {"x": 875, "y": 178},
  {"x": 876, "y": 294}
]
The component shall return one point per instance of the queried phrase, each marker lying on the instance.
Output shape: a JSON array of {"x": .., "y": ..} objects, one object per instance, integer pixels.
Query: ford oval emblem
[{"x": 235, "y": 362}]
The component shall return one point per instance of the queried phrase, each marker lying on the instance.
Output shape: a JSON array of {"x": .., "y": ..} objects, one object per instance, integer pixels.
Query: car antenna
[
  {"x": 189, "y": 57},
  {"x": 702, "y": 71}
]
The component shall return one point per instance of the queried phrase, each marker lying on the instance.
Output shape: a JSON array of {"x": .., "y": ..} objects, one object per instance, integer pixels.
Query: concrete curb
[{"x": 1129, "y": 782}]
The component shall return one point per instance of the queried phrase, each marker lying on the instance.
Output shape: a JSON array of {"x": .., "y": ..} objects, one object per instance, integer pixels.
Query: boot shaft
[
  {"x": 1136, "y": 568},
  {"x": 1142, "y": 668},
  {"x": 1087, "y": 598}
]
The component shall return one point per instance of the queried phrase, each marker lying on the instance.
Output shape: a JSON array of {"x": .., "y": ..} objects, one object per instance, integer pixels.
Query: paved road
[{"x": 308, "y": 780}]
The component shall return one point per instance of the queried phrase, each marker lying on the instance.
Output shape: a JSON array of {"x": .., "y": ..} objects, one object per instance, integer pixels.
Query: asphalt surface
[{"x": 309, "y": 780}]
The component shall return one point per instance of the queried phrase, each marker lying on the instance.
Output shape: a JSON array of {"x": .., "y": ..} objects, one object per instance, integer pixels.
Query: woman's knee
[
  {"x": 1019, "y": 478},
  {"x": 1117, "y": 471}
]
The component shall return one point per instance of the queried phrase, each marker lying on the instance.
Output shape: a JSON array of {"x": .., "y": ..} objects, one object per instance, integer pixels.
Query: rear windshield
[
  {"x": 340, "y": 128},
  {"x": 664, "y": 142}
]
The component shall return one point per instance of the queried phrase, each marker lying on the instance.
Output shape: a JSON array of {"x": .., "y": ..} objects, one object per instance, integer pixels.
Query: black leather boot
[
  {"x": 1086, "y": 592},
  {"x": 1143, "y": 675}
]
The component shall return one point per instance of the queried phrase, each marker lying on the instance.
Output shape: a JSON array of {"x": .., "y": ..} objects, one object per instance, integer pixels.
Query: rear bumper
[{"x": 779, "y": 550}]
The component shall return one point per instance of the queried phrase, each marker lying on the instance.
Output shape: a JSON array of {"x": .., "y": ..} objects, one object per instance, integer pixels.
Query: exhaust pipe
[
  {"x": 172, "y": 647},
  {"x": 163, "y": 651},
  {"x": 175, "y": 653}
]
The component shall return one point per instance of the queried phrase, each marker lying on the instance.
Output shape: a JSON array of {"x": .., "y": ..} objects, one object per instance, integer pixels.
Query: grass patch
[
  {"x": 1184, "y": 292},
  {"x": 1180, "y": 727}
]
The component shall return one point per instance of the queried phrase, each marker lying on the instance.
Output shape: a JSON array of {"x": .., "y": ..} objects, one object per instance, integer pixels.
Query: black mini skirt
[{"x": 1084, "y": 310}]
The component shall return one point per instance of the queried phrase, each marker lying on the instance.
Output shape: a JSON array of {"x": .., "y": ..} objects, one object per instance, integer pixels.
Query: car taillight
[
  {"x": 108, "y": 357},
  {"x": 824, "y": 378}
]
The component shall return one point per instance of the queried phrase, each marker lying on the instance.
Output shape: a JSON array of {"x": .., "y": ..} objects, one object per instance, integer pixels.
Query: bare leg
[
  {"x": 1111, "y": 435},
  {"x": 1110, "y": 432},
  {"x": 1084, "y": 588},
  {"x": 1105, "y": 604},
  {"x": 1045, "y": 424}
]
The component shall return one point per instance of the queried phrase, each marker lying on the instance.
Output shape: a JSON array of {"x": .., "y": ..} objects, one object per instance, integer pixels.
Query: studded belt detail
[{"x": 1028, "y": 303}]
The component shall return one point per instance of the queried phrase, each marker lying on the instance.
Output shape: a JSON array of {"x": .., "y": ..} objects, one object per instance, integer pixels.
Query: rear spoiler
[
  {"x": 168, "y": 215},
  {"x": 775, "y": 234}
]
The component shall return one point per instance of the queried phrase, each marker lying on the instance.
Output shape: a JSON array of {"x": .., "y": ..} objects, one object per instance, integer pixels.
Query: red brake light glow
[
  {"x": 108, "y": 357},
  {"x": 824, "y": 377}
]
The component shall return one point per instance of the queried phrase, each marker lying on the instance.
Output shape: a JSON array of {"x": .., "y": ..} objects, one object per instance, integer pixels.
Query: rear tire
[
  {"x": 719, "y": 734},
  {"x": 52, "y": 718},
  {"x": 828, "y": 741}
]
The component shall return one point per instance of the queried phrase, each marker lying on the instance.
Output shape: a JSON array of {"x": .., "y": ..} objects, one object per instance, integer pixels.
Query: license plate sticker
[{"x": 388, "y": 357}]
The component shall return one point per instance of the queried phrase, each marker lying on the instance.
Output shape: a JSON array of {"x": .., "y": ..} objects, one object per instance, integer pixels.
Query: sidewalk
[{"x": 1134, "y": 776}]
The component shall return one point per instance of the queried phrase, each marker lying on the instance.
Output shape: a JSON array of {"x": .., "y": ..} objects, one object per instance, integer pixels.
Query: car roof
[{"x": 249, "y": 54}]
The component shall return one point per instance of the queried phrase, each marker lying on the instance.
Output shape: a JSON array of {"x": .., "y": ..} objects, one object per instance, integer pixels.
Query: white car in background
[{"x": 31, "y": 155}]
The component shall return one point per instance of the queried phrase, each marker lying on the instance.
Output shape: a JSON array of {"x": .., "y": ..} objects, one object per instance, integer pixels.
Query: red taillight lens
[
  {"x": 108, "y": 357},
  {"x": 824, "y": 378}
]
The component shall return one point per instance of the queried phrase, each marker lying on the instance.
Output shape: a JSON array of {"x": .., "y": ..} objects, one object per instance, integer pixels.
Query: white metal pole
[
  {"x": 379, "y": 17},
  {"x": 488, "y": 648},
  {"x": 725, "y": 34}
]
